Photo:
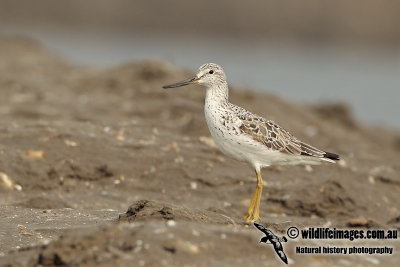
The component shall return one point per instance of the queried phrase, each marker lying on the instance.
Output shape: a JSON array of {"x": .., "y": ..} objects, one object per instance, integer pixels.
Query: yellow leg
[
  {"x": 259, "y": 187},
  {"x": 254, "y": 210},
  {"x": 252, "y": 205}
]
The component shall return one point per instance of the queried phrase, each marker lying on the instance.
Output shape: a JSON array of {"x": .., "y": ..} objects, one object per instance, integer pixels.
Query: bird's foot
[{"x": 252, "y": 217}]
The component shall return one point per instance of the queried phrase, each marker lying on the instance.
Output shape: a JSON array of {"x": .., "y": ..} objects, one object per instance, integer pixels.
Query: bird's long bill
[{"x": 182, "y": 83}]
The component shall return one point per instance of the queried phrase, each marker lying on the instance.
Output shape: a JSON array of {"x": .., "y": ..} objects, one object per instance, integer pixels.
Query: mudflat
[{"x": 103, "y": 167}]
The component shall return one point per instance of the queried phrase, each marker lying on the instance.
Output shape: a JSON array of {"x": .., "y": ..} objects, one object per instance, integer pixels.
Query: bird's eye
[{"x": 211, "y": 72}]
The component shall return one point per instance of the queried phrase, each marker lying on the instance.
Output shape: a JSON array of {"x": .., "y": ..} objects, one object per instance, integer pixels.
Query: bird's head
[{"x": 208, "y": 75}]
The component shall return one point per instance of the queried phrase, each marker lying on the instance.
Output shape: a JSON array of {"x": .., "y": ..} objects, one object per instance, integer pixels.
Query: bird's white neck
[{"x": 218, "y": 93}]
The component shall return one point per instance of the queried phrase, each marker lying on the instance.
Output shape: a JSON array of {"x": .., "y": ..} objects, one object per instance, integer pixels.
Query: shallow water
[{"x": 368, "y": 79}]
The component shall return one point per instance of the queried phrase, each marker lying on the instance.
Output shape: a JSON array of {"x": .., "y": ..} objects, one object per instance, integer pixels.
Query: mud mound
[
  {"x": 153, "y": 244},
  {"x": 44, "y": 203},
  {"x": 326, "y": 200},
  {"x": 338, "y": 111}
]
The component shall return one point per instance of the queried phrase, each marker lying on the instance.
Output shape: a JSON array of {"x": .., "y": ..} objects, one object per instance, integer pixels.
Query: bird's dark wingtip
[{"x": 332, "y": 156}]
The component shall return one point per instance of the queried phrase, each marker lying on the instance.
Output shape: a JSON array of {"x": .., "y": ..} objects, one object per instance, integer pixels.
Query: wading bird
[{"x": 245, "y": 136}]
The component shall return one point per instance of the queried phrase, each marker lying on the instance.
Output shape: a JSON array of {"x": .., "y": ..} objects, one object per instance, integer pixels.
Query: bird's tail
[{"x": 331, "y": 156}]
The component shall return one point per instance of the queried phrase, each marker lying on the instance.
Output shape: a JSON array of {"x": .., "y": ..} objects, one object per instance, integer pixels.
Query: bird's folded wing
[{"x": 275, "y": 137}]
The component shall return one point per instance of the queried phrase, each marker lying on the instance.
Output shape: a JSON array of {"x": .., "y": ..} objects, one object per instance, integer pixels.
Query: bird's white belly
[
  {"x": 230, "y": 141},
  {"x": 228, "y": 144}
]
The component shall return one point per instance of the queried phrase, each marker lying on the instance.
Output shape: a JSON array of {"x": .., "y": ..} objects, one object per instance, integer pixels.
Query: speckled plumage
[
  {"x": 242, "y": 134},
  {"x": 248, "y": 137}
]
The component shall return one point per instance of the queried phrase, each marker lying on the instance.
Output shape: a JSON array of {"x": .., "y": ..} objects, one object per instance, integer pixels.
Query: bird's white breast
[{"x": 224, "y": 130}]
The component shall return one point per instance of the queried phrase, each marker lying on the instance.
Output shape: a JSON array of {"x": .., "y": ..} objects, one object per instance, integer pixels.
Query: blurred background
[{"x": 305, "y": 50}]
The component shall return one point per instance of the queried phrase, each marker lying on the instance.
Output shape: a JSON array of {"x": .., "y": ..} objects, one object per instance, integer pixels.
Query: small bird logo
[{"x": 274, "y": 240}]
